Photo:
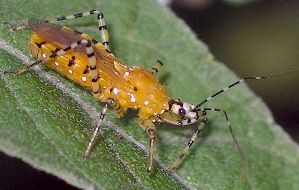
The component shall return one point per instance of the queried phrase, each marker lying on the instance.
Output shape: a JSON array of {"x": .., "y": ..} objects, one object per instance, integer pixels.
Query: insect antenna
[{"x": 241, "y": 81}]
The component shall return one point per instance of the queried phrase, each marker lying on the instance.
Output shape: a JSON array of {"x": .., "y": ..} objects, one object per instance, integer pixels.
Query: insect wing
[{"x": 53, "y": 33}]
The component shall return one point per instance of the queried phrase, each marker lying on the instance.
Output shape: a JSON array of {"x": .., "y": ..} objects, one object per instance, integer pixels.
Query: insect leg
[
  {"x": 26, "y": 68},
  {"x": 97, "y": 128},
  {"x": 157, "y": 67},
  {"x": 229, "y": 126},
  {"x": 101, "y": 22},
  {"x": 151, "y": 132},
  {"x": 241, "y": 153},
  {"x": 152, "y": 144},
  {"x": 95, "y": 87},
  {"x": 190, "y": 143}
]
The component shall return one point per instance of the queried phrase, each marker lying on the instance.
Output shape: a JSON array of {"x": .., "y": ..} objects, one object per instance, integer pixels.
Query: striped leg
[
  {"x": 157, "y": 67},
  {"x": 229, "y": 126},
  {"x": 97, "y": 128},
  {"x": 241, "y": 153},
  {"x": 102, "y": 25},
  {"x": 190, "y": 143}
]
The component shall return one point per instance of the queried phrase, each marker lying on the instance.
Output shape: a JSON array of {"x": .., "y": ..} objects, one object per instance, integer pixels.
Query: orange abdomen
[{"x": 72, "y": 65}]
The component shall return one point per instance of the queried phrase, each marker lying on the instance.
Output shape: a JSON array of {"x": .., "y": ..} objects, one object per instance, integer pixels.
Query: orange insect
[{"x": 91, "y": 64}]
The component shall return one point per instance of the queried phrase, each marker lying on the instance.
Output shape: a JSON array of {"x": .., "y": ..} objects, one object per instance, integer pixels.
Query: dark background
[{"x": 259, "y": 38}]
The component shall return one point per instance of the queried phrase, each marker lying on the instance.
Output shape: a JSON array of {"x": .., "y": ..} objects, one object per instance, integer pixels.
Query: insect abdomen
[{"x": 72, "y": 65}]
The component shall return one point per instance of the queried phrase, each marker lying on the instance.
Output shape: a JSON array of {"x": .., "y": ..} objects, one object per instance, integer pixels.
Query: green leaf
[{"x": 45, "y": 119}]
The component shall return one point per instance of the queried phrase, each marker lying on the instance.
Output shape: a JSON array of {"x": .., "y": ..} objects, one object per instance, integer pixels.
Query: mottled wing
[{"x": 53, "y": 33}]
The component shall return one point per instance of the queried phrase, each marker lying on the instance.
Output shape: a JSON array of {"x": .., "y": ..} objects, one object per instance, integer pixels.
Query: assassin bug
[{"x": 91, "y": 64}]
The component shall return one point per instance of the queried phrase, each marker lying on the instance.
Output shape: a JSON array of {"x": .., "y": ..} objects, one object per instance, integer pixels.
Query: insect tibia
[
  {"x": 26, "y": 68},
  {"x": 22, "y": 70}
]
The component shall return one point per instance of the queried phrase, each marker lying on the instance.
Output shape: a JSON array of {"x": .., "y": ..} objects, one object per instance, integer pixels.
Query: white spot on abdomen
[
  {"x": 133, "y": 99},
  {"x": 115, "y": 91}
]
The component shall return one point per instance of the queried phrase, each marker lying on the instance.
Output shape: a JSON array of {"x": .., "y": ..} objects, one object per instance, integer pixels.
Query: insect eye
[{"x": 182, "y": 111}]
